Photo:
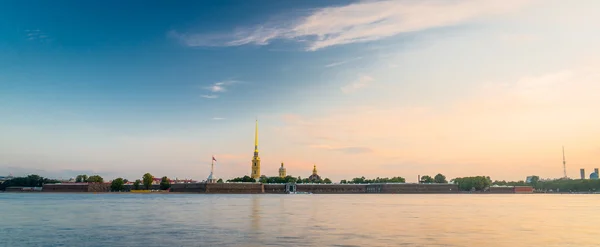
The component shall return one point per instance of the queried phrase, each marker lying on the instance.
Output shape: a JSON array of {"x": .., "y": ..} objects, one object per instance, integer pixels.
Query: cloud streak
[
  {"x": 209, "y": 96},
  {"x": 218, "y": 87},
  {"x": 342, "y": 62},
  {"x": 355, "y": 23}
]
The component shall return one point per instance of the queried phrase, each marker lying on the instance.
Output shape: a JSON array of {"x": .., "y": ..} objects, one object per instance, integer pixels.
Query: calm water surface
[{"x": 39, "y": 219}]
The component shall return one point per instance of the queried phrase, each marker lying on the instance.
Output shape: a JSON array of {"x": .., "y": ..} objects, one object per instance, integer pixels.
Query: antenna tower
[{"x": 564, "y": 164}]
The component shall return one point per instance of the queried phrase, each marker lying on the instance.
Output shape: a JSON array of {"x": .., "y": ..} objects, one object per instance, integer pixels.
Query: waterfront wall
[
  {"x": 523, "y": 189},
  {"x": 275, "y": 188},
  {"x": 77, "y": 187},
  {"x": 332, "y": 188},
  {"x": 189, "y": 188},
  {"x": 257, "y": 188},
  {"x": 235, "y": 188},
  {"x": 70, "y": 187},
  {"x": 390, "y": 188},
  {"x": 511, "y": 189},
  {"x": 419, "y": 188}
]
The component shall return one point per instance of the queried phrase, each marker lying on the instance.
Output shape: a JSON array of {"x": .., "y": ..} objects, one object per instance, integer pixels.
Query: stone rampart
[
  {"x": 274, "y": 188},
  {"x": 189, "y": 188},
  {"x": 523, "y": 189},
  {"x": 419, "y": 188},
  {"x": 99, "y": 187},
  {"x": 331, "y": 188},
  {"x": 376, "y": 188},
  {"x": 235, "y": 188},
  {"x": 66, "y": 187},
  {"x": 502, "y": 189}
]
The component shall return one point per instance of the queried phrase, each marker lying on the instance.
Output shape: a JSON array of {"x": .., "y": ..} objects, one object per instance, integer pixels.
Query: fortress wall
[
  {"x": 376, "y": 188},
  {"x": 507, "y": 189},
  {"x": 523, "y": 189},
  {"x": 331, "y": 188},
  {"x": 129, "y": 187},
  {"x": 419, "y": 188},
  {"x": 274, "y": 188},
  {"x": 96, "y": 187},
  {"x": 189, "y": 188},
  {"x": 235, "y": 188},
  {"x": 68, "y": 187}
]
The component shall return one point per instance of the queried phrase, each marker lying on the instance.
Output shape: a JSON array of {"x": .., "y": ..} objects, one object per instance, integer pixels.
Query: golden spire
[
  {"x": 315, "y": 170},
  {"x": 256, "y": 138}
]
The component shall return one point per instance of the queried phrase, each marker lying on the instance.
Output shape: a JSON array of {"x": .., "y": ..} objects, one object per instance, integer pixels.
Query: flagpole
[{"x": 212, "y": 166}]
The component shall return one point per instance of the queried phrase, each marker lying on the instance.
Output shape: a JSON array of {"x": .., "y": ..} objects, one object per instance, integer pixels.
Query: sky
[{"x": 357, "y": 88}]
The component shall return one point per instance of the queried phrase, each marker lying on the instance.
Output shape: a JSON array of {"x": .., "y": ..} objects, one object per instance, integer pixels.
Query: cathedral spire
[
  {"x": 256, "y": 138},
  {"x": 256, "y": 160}
]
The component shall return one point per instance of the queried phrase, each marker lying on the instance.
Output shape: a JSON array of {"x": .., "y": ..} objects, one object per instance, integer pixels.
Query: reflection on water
[{"x": 298, "y": 220}]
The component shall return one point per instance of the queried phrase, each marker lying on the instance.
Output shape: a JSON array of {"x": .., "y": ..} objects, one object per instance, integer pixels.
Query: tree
[
  {"x": 220, "y": 180},
  {"x": 534, "y": 180},
  {"x": 479, "y": 183},
  {"x": 427, "y": 179},
  {"x": 343, "y": 181},
  {"x": 147, "y": 180},
  {"x": 299, "y": 180},
  {"x": 117, "y": 185},
  {"x": 327, "y": 181},
  {"x": 81, "y": 178},
  {"x": 165, "y": 184},
  {"x": 136, "y": 184},
  {"x": 246, "y": 178},
  {"x": 440, "y": 179},
  {"x": 95, "y": 179}
]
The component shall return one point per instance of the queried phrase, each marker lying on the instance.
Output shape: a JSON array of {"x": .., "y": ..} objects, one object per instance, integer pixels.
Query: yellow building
[
  {"x": 282, "y": 171},
  {"x": 256, "y": 160}
]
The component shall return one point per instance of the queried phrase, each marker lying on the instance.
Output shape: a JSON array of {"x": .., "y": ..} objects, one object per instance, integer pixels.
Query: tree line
[
  {"x": 91, "y": 179},
  {"x": 32, "y": 180},
  {"x": 147, "y": 179}
]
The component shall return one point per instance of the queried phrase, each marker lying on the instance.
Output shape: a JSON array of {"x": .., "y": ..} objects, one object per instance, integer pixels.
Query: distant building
[
  {"x": 282, "y": 172},
  {"x": 594, "y": 175},
  {"x": 528, "y": 179},
  {"x": 582, "y": 172},
  {"x": 314, "y": 177}
]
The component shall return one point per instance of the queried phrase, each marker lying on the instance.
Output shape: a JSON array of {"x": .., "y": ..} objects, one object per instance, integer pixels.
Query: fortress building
[
  {"x": 282, "y": 171},
  {"x": 255, "y": 160},
  {"x": 314, "y": 177}
]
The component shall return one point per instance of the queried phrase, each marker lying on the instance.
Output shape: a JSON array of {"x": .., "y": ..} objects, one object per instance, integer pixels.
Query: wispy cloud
[
  {"x": 209, "y": 96},
  {"x": 342, "y": 62},
  {"x": 362, "y": 82},
  {"x": 36, "y": 35},
  {"x": 359, "y": 22},
  {"x": 218, "y": 87},
  {"x": 218, "y": 118}
]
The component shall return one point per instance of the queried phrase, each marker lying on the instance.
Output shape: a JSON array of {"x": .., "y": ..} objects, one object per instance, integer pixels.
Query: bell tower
[
  {"x": 255, "y": 160},
  {"x": 282, "y": 172}
]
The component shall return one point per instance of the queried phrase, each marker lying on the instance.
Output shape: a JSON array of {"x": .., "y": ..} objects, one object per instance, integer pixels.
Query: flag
[{"x": 214, "y": 158}]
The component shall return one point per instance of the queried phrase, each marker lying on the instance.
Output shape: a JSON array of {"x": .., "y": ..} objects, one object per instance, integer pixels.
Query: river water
[{"x": 40, "y": 219}]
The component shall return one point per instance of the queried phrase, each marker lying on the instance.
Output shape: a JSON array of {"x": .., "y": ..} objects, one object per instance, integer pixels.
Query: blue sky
[{"x": 406, "y": 87}]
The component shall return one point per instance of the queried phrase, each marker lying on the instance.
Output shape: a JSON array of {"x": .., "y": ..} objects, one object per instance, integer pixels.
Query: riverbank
[{"x": 259, "y": 188}]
